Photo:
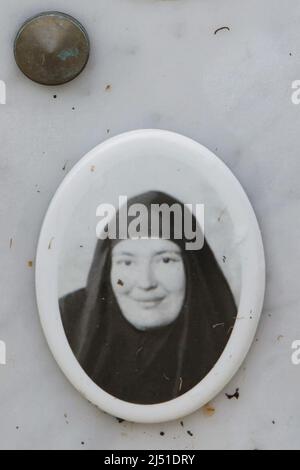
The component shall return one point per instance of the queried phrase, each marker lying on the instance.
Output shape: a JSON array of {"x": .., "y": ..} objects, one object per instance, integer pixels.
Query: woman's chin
[{"x": 153, "y": 322}]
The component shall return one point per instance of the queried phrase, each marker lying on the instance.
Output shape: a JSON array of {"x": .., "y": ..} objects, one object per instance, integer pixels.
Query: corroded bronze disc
[{"x": 52, "y": 48}]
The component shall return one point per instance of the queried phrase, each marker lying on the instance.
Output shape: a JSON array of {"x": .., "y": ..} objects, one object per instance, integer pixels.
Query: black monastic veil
[{"x": 152, "y": 366}]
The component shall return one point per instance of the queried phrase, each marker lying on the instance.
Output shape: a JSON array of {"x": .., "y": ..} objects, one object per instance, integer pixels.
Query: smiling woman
[
  {"x": 148, "y": 281},
  {"x": 144, "y": 327}
]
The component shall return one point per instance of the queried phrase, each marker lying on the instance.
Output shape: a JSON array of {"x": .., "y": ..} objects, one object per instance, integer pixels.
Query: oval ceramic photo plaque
[{"x": 150, "y": 276}]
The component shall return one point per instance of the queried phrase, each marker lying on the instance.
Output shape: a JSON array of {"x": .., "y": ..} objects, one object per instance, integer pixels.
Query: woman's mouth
[{"x": 150, "y": 303}]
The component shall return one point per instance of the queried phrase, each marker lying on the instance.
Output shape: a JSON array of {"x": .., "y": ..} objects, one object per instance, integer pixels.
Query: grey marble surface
[{"x": 166, "y": 69}]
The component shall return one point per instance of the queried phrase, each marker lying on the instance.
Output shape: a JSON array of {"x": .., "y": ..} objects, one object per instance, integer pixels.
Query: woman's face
[{"x": 148, "y": 280}]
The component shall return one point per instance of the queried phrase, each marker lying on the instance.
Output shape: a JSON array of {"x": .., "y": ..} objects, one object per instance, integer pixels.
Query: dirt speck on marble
[
  {"x": 223, "y": 28},
  {"x": 235, "y": 395},
  {"x": 208, "y": 410},
  {"x": 120, "y": 420},
  {"x": 50, "y": 243},
  {"x": 221, "y": 215}
]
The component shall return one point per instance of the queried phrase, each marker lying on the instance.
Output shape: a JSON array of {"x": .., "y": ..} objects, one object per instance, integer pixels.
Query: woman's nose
[{"x": 146, "y": 277}]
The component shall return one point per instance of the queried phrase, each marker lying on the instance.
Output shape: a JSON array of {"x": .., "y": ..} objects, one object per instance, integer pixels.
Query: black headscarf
[{"x": 152, "y": 366}]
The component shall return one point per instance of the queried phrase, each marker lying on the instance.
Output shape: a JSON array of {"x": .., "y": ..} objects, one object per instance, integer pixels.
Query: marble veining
[{"x": 155, "y": 63}]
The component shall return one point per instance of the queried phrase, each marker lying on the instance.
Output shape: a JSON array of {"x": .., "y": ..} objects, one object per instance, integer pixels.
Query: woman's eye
[
  {"x": 124, "y": 262},
  {"x": 168, "y": 259}
]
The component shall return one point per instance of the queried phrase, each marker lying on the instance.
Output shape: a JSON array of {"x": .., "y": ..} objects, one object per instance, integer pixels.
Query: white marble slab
[{"x": 166, "y": 68}]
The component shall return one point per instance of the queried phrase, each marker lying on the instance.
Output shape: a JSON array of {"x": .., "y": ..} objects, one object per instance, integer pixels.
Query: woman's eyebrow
[
  {"x": 163, "y": 252},
  {"x": 123, "y": 253}
]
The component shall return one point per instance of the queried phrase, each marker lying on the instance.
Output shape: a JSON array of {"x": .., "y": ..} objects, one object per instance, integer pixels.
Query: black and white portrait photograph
[{"x": 149, "y": 282}]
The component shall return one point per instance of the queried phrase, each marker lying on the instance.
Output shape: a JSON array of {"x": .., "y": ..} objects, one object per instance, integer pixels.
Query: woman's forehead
[{"x": 145, "y": 246}]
